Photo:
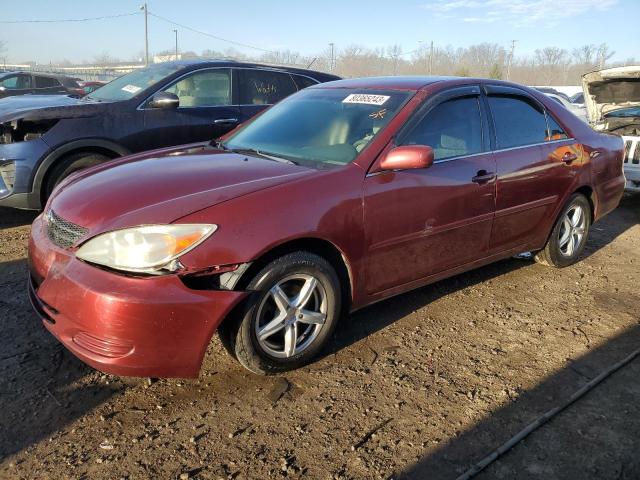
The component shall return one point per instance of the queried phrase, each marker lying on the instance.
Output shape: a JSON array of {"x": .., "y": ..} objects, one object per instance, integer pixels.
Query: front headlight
[{"x": 144, "y": 249}]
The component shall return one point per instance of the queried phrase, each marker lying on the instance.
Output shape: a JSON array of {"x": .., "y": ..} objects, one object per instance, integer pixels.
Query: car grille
[
  {"x": 631, "y": 150},
  {"x": 61, "y": 232}
]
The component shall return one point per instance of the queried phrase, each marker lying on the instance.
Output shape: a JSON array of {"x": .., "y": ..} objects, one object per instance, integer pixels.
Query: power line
[
  {"x": 69, "y": 20},
  {"x": 246, "y": 45}
]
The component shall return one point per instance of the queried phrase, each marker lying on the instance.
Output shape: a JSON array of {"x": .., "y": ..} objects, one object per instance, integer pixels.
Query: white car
[
  {"x": 578, "y": 111},
  {"x": 612, "y": 99}
]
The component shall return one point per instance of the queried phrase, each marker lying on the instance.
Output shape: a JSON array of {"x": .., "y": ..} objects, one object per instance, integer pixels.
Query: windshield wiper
[{"x": 259, "y": 153}]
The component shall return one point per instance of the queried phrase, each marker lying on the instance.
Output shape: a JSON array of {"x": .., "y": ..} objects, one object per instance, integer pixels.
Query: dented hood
[
  {"x": 611, "y": 89},
  {"x": 43, "y": 107},
  {"x": 161, "y": 187}
]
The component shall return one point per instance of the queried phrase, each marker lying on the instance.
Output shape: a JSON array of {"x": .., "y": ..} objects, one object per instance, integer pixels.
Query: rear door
[
  {"x": 422, "y": 222},
  {"x": 536, "y": 165},
  {"x": 47, "y": 85},
  {"x": 259, "y": 89},
  {"x": 206, "y": 110}
]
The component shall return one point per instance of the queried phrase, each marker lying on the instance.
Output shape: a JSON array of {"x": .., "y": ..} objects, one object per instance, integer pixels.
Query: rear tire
[
  {"x": 569, "y": 234},
  {"x": 293, "y": 312},
  {"x": 69, "y": 165}
]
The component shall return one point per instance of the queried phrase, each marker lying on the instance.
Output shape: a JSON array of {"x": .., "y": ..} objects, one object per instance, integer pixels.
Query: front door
[
  {"x": 205, "y": 112},
  {"x": 422, "y": 222}
]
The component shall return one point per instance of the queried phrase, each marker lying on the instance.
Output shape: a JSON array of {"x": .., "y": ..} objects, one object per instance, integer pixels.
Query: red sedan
[{"x": 340, "y": 196}]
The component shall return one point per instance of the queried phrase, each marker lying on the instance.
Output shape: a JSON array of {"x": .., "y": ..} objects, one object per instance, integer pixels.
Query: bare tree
[
  {"x": 552, "y": 62},
  {"x": 585, "y": 55},
  {"x": 604, "y": 54}
]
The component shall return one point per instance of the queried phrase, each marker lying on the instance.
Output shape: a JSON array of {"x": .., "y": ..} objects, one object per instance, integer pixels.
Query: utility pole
[
  {"x": 431, "y": 59},
  {"x": 331, "y": 60},
  {"x": 146, "y": 34},
  {"x": 176, "y": 32},
  {"x": 510, "y": 59}
]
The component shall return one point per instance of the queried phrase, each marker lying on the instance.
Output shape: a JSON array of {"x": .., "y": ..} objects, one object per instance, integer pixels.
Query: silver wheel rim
[
  {"x": 572, "y": 230},
  {"x": 291, "y": 315}
]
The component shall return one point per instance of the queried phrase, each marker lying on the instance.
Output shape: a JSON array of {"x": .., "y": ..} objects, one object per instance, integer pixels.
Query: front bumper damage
[{"x": 130, "y": 326}]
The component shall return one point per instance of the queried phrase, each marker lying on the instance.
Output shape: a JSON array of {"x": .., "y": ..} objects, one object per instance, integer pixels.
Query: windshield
[
  {"x": 129, "y": 85},
  {"x": 319, "y": 127},
  {"x": 624, "y": 112}
]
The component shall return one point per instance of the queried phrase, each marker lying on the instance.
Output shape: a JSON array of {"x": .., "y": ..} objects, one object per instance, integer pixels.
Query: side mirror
[
  {"x": 407, "y": 157},
  {"x": 164, "y": 100}
]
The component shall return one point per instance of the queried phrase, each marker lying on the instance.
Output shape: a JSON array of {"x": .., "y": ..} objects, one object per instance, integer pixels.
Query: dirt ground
[{"x": 419, "y": 386}]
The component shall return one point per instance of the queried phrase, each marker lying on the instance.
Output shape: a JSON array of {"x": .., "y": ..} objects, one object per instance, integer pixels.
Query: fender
[{"x": 59, "y": 152}]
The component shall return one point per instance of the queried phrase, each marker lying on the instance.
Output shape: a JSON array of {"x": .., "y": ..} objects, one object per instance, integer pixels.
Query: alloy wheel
[
  {"x": 291, "y": 315},
  {"x": 572, "y": 230}
]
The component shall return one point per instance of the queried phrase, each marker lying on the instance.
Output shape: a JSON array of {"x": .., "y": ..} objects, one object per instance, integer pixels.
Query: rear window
[{"x": 303, "y": 82}]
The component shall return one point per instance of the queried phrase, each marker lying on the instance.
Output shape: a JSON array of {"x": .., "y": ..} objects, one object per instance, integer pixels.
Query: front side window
[
  {"x": 320, "y": 127},
  {"x": 207, "y": 88},
  {"x": 16, "y": 82},
  {"x": 263, "y": 87},
  {"x": 518, "y": 121},
  {"x": 46, "y": 82},
  {"x": 452, "y": 129}
]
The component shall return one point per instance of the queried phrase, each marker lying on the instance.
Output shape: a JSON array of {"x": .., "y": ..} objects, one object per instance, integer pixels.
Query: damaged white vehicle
[{"x": 612, "y": 99}]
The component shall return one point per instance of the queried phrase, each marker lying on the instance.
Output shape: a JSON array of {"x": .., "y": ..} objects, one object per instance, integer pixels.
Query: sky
[{"x": 308, "y": 27}]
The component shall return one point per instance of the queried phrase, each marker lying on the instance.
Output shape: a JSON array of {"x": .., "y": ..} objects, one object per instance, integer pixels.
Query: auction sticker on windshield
[
  {"x": 131, "y": 88},
  {"x": 366, "y": 98}
]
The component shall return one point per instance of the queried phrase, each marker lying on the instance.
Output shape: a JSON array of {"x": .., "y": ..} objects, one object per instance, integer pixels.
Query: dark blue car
[{"x": 45, "y": 138}]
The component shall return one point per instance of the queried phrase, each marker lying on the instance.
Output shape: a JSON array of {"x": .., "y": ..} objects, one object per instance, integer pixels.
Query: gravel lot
[{"x": 419, "y": 386}]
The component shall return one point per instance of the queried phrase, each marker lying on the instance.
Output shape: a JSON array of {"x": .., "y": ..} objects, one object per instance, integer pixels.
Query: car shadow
[
  {"x": 596, "y": 437},
  {"x": 369, "y": 320},
  {"x": 42, "y": 386},
  {"x": 12, "y": 217}
]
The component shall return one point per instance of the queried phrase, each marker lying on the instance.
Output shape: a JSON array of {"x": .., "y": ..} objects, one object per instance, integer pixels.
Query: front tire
[
  {"x": 291, "y": 315},
  {"x": 569, "y": 234}
]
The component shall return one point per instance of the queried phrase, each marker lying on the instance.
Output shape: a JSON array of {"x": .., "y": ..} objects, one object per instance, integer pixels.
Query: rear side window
[
  {"x": 452, "y": 129},
  {"x": 556, "y": 132},
  {"x": 263, "y": 87},
  {"x": 518, "y": 122},
  {"x": 303, "y": 82},
  {"x": 46, "y": 82}
]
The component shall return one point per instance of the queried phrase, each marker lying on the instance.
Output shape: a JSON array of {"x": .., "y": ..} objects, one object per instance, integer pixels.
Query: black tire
[
  {"x": 552, "y": 254},
  {"x": 239, "y": 334},
  {"x": 67, "y": 166}
]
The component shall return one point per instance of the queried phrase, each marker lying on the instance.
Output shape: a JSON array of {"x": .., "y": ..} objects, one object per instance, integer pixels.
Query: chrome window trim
[
  {"x": 462, "y": 157},
  {"x": 498, "y": 150}
]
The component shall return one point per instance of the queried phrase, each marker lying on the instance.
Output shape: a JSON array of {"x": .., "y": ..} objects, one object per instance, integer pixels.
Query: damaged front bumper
[
  {"x": 18, "y": 162},
  {"x": 130, "y": 326}
]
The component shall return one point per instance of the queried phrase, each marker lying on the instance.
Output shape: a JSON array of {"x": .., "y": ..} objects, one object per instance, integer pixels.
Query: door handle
[
  {"x": 569, "y": 157},
  {"x": 483, "y": 177},
  {"x": 225, "y": 121}
]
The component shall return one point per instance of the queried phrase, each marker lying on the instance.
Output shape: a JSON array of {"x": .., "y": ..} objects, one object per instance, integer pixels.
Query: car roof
[
  {"x": 201, "y": 63},
  {"x": 391, "y": 83}
]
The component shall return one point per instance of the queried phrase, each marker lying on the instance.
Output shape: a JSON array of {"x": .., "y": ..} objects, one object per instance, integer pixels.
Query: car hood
[
  {"x": 609, "y": 90},
  {"x": 163, "y": 186},
  {"x": 43, "y": 107}
]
